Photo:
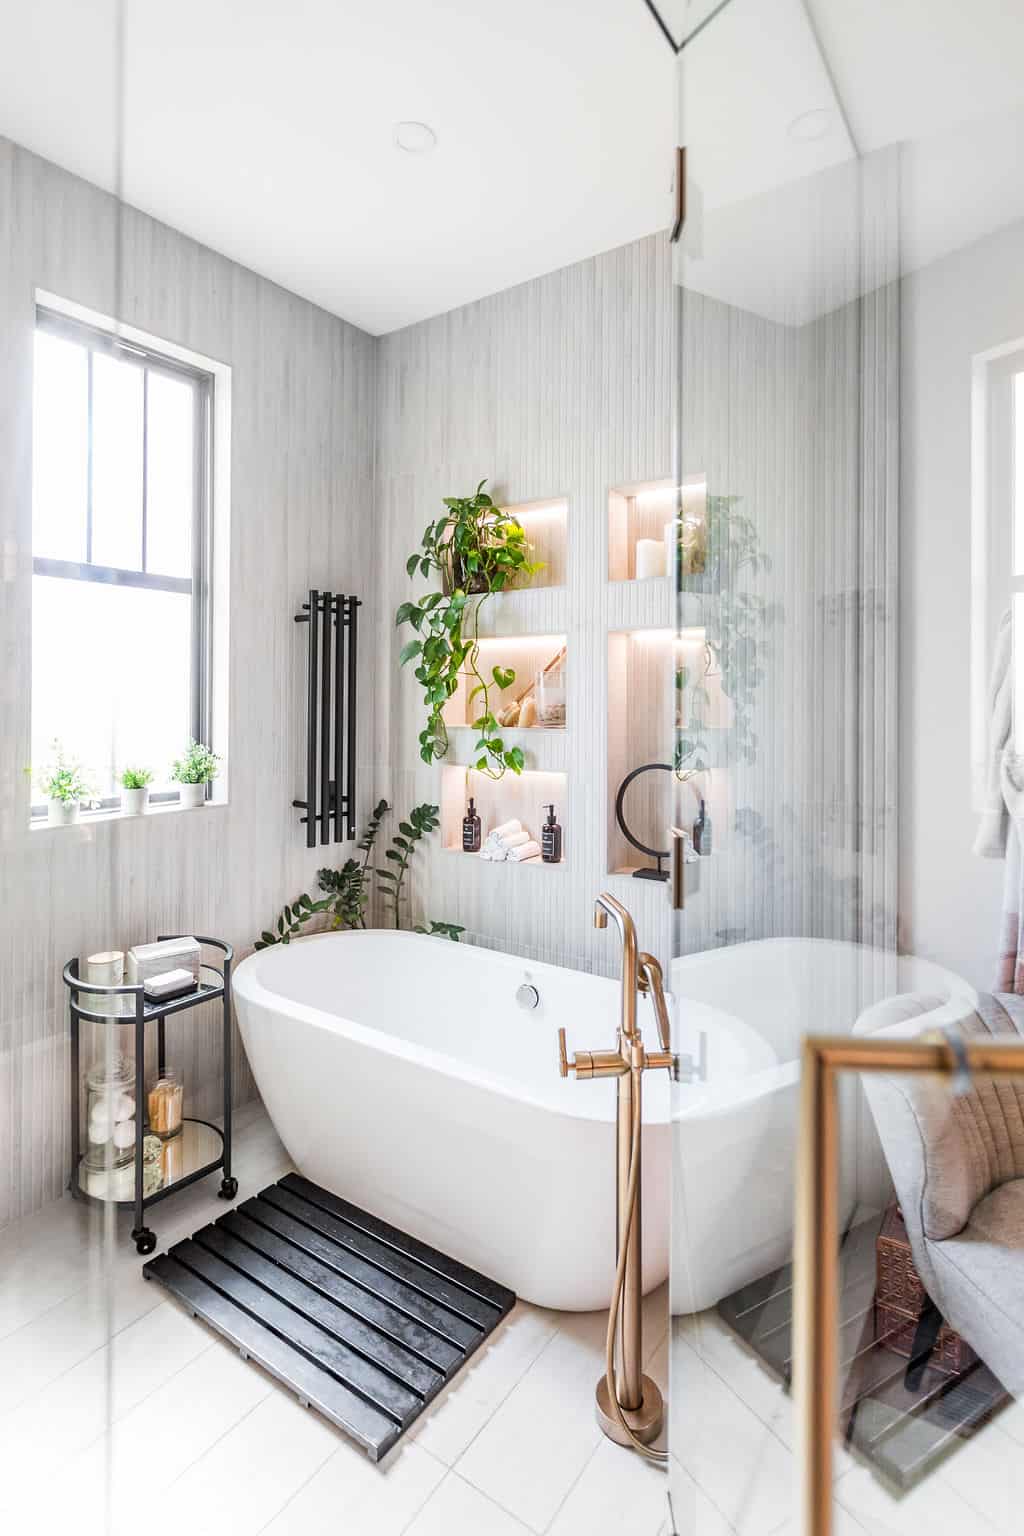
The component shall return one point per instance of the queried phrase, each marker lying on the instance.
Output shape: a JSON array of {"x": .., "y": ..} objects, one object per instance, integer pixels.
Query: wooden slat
[
  {"x": 417, "y": 1338},
  {"x": 386, "y": 1259},
  {"x": 347, "y": 1320},
  {"x": 460, "y": 1274},
  {"x": 373, "y": 1430},
  {"x": 307, "y": 1338},
  {"x": 376, "y": 1347},
  {"x": 413, "y": 1303}
]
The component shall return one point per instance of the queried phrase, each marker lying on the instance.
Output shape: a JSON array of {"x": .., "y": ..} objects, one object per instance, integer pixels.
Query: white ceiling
[
  {"x": 264, "y": 128},
  {"x": 778, "y": 222}
]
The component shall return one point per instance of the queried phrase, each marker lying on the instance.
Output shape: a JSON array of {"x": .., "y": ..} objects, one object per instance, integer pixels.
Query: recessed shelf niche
[
  {"x": 526, "y": 655},
  {"x": 652, "y": 678},
  {"x": 546, "y": 526},
  {"x": 523, "y": 796},
  {"x": 638, "y": 516}
]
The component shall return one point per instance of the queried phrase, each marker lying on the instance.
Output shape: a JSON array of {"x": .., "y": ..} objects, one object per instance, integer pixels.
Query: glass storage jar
[
  {"x": 110, "y": 1113},
  {"x": 549, "y": 687},
  {"x": 164, "y": 1104}
]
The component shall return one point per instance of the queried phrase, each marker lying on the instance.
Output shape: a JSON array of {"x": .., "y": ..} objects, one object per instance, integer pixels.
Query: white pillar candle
[{"x": 650, "y": 558}]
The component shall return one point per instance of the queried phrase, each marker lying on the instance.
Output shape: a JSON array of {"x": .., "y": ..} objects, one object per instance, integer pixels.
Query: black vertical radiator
[{"x": 330, "y": 717}]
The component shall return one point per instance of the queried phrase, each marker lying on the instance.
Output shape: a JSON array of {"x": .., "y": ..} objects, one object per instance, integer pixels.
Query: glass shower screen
[{"x": 787, "y": 354}]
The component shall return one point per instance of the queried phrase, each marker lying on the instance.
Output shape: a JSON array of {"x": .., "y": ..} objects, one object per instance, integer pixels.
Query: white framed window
[{"x": 122, "y": 492}]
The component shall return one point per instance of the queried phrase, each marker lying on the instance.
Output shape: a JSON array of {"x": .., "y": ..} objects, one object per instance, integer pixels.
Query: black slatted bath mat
[{"x": 362, "y": 1322}]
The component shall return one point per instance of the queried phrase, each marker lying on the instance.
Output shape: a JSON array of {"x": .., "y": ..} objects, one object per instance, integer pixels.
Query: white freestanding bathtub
[
  {"x": 401, "y": 1073},
  {"x": 734, "y": 1136}
]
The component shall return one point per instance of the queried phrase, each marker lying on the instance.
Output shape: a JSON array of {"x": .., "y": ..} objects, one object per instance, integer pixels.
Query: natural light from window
[{"x": 117, "y": 535}]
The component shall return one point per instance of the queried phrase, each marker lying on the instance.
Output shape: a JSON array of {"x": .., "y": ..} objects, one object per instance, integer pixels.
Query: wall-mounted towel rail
[{"x": 330, "y": 717}]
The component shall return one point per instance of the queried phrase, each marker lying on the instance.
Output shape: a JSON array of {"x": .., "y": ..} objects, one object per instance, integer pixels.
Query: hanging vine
[{"x": 476, "y": 549}]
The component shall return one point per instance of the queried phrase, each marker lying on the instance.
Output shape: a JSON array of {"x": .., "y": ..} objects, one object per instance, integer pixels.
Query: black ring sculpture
[{"x": 653, "y": 853}]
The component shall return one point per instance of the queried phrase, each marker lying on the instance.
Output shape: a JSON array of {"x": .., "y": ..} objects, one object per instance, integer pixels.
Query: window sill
[{"x": 92, "y": 818}]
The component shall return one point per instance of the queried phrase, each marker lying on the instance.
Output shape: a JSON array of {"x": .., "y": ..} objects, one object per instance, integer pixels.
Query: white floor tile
[
  {"x": 73, "y": 1411},
  {"x": 933, "y": 1507},
  {"x": 244, "y": 1480},
  {"x": 531, "y": 1452},
  {"x": 130, "y": 1468},
  {"x": 694, "y": 1513},
  {"x": 465, "y": 1406},
  {"x": 457, "y": 1509},
  {"x": 617, "y": 1494},
  {"x": 987, "y": 1471},
  {"x": 349, "y": 1494},
  {"x": 743, "y": 1468}
]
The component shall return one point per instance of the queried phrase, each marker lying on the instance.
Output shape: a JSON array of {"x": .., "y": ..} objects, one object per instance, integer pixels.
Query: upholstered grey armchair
[{"x": 958, "y": 1168}]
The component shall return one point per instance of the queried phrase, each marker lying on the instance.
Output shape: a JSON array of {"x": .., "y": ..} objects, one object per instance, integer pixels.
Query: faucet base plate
[{"x": 645, "y": 1421}]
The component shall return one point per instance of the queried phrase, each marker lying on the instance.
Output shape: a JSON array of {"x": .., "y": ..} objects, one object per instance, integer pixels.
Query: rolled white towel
[
  {"x": 515, "y": 840},
  {"x": 506, "y": 829},
  {"x": 497, "y": 855},
  {"x": 523, "y": 852}
]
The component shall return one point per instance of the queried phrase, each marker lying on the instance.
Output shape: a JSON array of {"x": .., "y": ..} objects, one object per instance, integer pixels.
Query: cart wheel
[
  {"x": 228, "y": 1189},
  {"x": 145, "y": 1240}
]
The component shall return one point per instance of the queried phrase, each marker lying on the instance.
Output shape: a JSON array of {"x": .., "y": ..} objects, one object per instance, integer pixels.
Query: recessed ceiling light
[
  {"x": 810, "y": 126},
  {"x": 415, "y": 138}
]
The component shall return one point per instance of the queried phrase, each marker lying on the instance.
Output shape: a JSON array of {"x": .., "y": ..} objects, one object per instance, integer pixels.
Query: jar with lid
[
  {"x": 110, "y": 1113},
  {"x": 164, "y": 1104}
]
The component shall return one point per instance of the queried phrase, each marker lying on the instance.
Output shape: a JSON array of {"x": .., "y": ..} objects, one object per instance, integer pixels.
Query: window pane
[
  {"x": 111, "y": 677},
  {"x": 60, "y": 448},
  {"x": 116, "y": 462},
  {"x": 170, "y": 483}
]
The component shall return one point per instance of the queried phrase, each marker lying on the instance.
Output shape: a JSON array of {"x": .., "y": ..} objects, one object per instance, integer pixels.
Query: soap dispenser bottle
[
  {"x": 471, "y": 828},
  {"x": 551, "y": 839},
  {"x": 702, "y": 832}
]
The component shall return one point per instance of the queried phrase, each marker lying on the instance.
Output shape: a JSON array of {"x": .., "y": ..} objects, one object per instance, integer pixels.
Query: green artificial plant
[
  {"x": 136, "y": 778},
  {"x": 476, "y": 549},
  {"x": 65, "y": 780},
  {"x": 197, "y": 765}
]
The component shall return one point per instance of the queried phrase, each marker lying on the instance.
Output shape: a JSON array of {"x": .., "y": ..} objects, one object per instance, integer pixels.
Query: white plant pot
[
  {"x": 134, "y": 801},
  {"x": 192, "y": 796},
  {"x": 62, "y": 813}
]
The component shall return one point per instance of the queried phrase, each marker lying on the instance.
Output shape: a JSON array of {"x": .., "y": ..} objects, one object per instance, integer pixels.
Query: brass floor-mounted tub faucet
[{"x": 629, "y": 1404}]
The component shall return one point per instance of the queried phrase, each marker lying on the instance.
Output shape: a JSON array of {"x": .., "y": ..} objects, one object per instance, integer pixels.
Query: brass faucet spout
[{"x": 606, "y": 907}]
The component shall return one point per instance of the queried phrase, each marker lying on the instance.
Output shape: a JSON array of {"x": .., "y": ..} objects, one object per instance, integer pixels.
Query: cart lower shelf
[{"x": 196, "y": 1151}]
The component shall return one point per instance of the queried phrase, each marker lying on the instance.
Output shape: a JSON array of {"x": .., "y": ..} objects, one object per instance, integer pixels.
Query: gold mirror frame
[{"x": 816, "y": 1251}]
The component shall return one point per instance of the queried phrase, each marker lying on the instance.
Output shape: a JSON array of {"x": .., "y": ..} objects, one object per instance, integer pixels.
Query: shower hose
[{"x": 632, "y": 1185}]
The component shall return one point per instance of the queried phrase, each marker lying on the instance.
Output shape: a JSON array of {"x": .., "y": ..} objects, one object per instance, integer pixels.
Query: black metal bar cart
[{"x": 203, "y": 1148}]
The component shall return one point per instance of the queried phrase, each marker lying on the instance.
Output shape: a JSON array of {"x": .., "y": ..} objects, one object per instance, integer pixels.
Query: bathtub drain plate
[{"x": 360, "y": 1321}]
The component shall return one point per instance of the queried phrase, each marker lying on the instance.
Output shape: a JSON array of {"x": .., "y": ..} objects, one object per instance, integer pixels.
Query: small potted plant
[
  {"x": 135, "y": 784},
  {"x": 196, "y": 768},
  {"x": 66, "y": 789}
]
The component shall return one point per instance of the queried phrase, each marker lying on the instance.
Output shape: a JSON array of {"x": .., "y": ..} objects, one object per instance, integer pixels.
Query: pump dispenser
[
  {"x": 551, "y": 839},
  {"x": 471, "y": 828}
]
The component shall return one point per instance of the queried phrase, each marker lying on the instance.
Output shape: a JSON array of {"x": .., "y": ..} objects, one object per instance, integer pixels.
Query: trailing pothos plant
[
  {"x": 476, "y": 549},
  {"x": 713, "y": 555}
]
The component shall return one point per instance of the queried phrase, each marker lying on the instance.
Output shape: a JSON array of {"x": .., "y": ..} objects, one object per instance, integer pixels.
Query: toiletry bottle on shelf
[
  {"x": 471, "y": 829},
  {"x": 702, "y": 832},
  {"x": 551, "y": 839}
]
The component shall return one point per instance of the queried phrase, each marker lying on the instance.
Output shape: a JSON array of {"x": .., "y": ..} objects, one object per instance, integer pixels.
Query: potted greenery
[
  {"x": 135, "y": 784},
  {"x": 196, "y": 768},
  {"x": 66, "y": 789},
  {"x": 473, "y": 549}
]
